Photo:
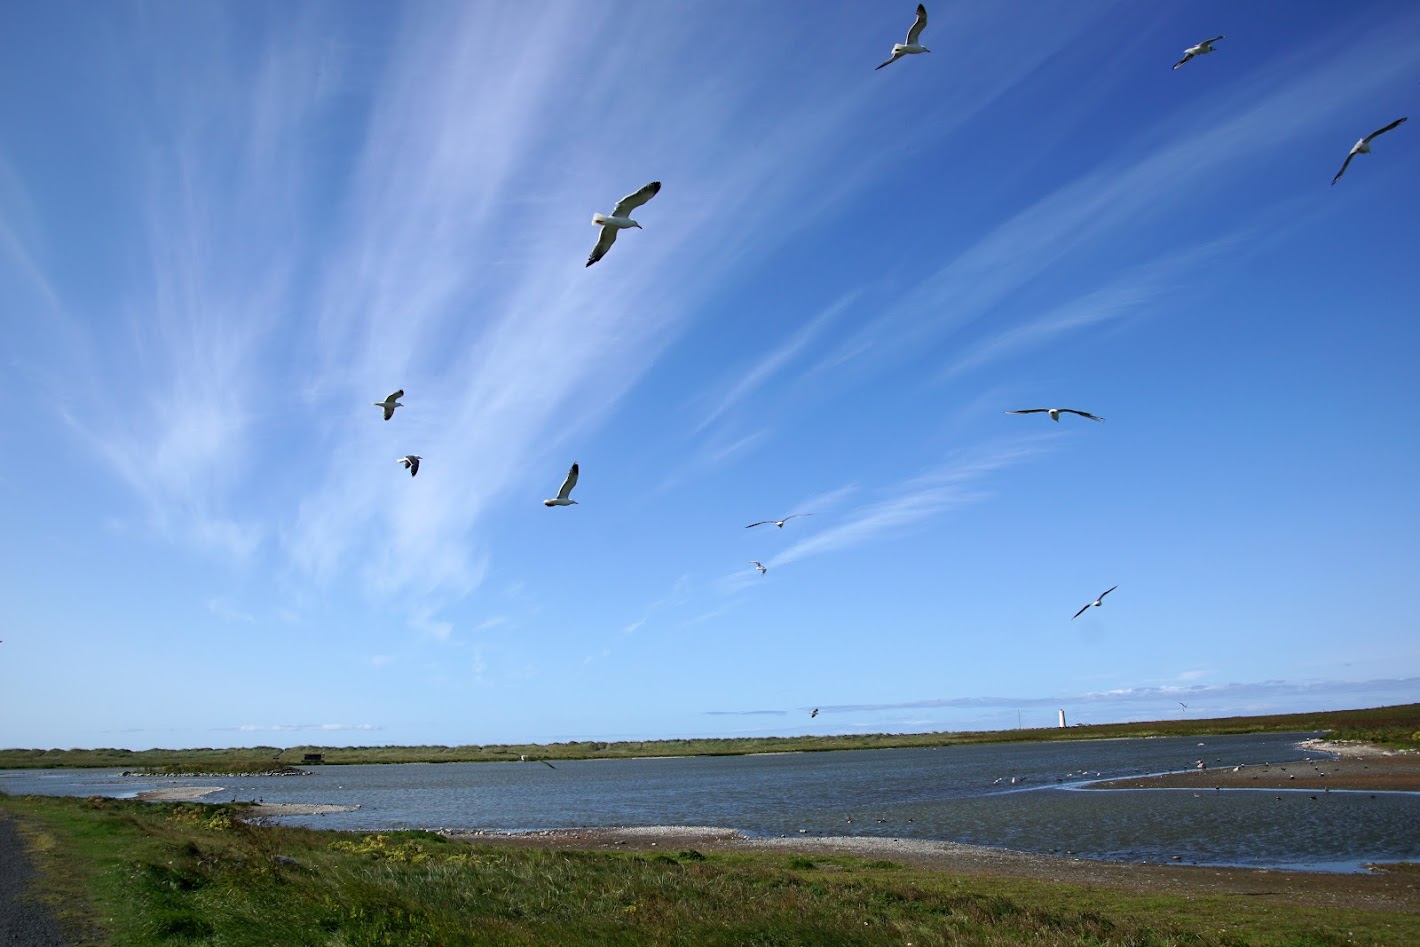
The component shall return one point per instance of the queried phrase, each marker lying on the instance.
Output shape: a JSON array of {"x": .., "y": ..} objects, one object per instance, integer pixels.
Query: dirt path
[{"x": 24, "y": 922}]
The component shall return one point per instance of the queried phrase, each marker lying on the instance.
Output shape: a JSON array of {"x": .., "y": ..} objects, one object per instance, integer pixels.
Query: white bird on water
[
  {"x": 390, "y": 403},
  {"x": 1056, "y": 412},
  {"x": 563, "y": 497},
  {"x": 1098, "y": 601},
  {"x": 619, "y": 219},
  {"x": 1201, "y": 49},
  {"x": 758, "y": 565},
  {"x": 411, "y": 463},
  {"x": 913, "y": 35},
  {"x": 779, "y": 523},
  {"x": 1363, "y": 147}
]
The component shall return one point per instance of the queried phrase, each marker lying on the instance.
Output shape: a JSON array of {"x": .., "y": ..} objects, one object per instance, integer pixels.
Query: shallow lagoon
[{"x": 959, "y": 794}]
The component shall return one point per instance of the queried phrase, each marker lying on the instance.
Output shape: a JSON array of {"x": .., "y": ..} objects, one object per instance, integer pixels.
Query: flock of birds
[{"x": 620, "y": 219}]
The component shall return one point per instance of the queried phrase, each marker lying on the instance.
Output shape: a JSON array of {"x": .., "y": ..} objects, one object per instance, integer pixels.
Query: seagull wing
[
  {"x": 1215, "y": 39},
  {"x": 895, "y": 58},
  {"x": 1028, "y": 411},
  {"x": 1344, "y": 165},
  {"x": 1382, "y": 131},
  {"x": 604, "y": 243},
  {"x": 569, "y": 483},
  {"x": 1186, "y": 58},
  {"x": 917, "y": 25},
  {"x": 414, "y": 466},
  {"x": 547, "y": 764},
  {"x": 1080, "y": 612},
  {"x": 793, "y": 515},
  {"x": 1083, "y": 414},
  {"x": 1106, "y": 592},
  {"x": 760, "y": 523},
  {"x": 395, "y": 396},
  {"x": 632, "y": 201},
  {"x": 389, "y": 412}
]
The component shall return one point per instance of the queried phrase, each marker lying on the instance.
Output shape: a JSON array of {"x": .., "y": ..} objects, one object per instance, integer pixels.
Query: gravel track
[{"x": 24, "y": 921}]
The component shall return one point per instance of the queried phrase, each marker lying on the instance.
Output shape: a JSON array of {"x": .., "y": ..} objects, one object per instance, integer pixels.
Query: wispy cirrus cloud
[
  {"x": 913, "y": 501},
  {"x": 296, "y": 727}
]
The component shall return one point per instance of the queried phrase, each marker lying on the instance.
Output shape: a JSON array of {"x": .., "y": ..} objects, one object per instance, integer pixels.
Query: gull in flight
[
  {"x": 390, "y": 403},
  {"x": 1097, "y": 602},
  {"x": 411, "y": 463},
  {"x": 1363, "y": 147},
  {"x": 1056, "y": 412},
  {"x": 1202, "y": 49},
  {"x": 779, "y": 523},
  {"x": 563, "y": 497},
  {"x": 619, "y": 219},
  {"x": 758, "y": 565},
  {"x": 911, "y": 46},
  {"x": 813, "y": 713}
]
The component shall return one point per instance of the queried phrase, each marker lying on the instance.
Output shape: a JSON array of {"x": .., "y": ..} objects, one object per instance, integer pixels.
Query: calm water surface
[{"x": 959, "y": 794}]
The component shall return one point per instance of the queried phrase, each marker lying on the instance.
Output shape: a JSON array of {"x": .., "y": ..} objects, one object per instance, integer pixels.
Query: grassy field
[
  {"x": 142, "y": 874},
  {"x": 1397, "y": 726}
]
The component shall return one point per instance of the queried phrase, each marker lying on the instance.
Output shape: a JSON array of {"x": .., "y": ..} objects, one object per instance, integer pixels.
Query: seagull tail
[{"x": 599, "y": 219}]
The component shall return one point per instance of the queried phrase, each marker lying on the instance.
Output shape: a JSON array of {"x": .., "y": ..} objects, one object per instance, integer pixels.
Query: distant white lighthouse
[{"x": 1062, "y": 716}]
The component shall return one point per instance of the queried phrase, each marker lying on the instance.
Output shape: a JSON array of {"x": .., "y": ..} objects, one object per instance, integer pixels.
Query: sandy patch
[
  {"x": 180, "y": 794},
  {"x": 267, "y": 810}
]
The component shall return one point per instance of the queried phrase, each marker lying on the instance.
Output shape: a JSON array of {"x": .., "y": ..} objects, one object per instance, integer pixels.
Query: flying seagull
[
  {"x": 411, "y": 463},
  {"x": 390, "y": 403},
  {"x": 813, "y": 713},
  {"x": 1180, "y": 703},
  {"x": 1202, "y": 49},
  {"x": 1098, "y": 601},
  {"x": 1363, "y": 147},
  {"x": 1055, "y": 413},
  {"x": 619, "y": 219},
  {"x": 758, "y": 565},
  {"x": 911, "y": 46},
  {"x": 563, "y": 497},
  {"x": 779, "y": 523}
]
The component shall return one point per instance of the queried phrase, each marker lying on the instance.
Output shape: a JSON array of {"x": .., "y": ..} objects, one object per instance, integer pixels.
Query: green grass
[
  {"x": 149, "y": 874},
  {"x": 1397, "y": 726}
]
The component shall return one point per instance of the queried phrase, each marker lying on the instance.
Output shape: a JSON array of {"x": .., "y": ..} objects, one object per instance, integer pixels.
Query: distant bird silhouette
[
  {"x": 1055, "y": 413},
  {"x": 411, "y": 463},
  {"x": 758, "y": 565},
  {"x": 390, "y": 403},
  {"x": 564, "y": 493},
  {"x": 813, "y": 713},
  {"x": 1202, "y": 49},
  {"x": 1097, "y": 602},
  {"x": 779, "y": 523},
  {"x": 1180, "y": 703}
]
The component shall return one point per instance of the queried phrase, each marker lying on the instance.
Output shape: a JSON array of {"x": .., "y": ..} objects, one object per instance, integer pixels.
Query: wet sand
[
  {"x": 264, "y": 810},
  {"x": 1359, "y": 767}
]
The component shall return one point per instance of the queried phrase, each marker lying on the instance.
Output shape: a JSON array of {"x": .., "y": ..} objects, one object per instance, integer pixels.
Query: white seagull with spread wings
[
  {"x": 779, "y": 523},
  {"x": 564, "y": 497},
  {"x": 411, "y": 463},
  {"x": 1201, "y": 49},
  {"x": 758, "y": 565},
  {"x": 1055, "y": 413},
  {"x": 1363, "y": 147},
  {"x": 390, "y": 403},
  {"x": 1097, "y": 602},
  {"x": 619, "y": 219},
  {"x": 912, "y": 45}
]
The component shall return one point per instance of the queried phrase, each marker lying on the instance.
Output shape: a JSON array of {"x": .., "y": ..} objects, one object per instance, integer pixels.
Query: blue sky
[{"x": 226, "y": 229}]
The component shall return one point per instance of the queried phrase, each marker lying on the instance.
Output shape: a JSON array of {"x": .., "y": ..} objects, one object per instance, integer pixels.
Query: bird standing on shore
[
  {"x": 563, "y": 497},
  {"x": 390, "y": 403},
  {"x": 1097, "y": 602},
  {"x": 914, "y": 33},
  {"x": 1201, "y": 49},
  {"x": 1363, "y": 147},
  {"x": 618, "y": 219}
]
